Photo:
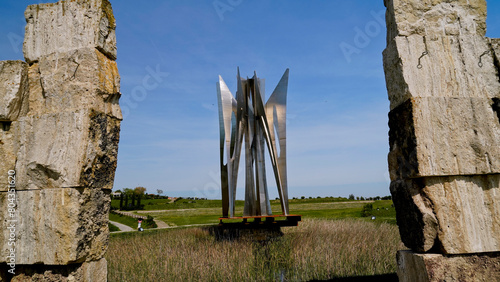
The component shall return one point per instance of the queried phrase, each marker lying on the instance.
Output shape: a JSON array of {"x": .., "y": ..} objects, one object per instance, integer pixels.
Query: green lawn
[{"x": 188, "y": 212}]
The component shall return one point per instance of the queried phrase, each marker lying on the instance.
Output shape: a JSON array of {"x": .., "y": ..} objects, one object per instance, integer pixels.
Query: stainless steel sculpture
[{"x": 246, "y": 118}]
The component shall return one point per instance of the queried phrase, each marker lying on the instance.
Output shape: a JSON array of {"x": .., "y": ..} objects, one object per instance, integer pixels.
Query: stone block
[
  {"x": 413, "y": 267},
  {"x": 92, "y": 271},
  {"x": 440, "y": 136},
  {"x": 74, "y": 80},
  {"x": 56, "y": 226},
  {"x": 454, "y": 214},
  {"x": 69, "y": 25},
  {"x": 454, "y": 66},
  {"x": 435, "y": 18},
  {"x": 13, "y": 89},
  {"x": 72, "y": 149},
  {"x": 9, "y": 144}
]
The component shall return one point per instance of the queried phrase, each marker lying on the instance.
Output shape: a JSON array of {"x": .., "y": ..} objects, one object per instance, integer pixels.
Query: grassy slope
[{"x": 127, "y": 220}]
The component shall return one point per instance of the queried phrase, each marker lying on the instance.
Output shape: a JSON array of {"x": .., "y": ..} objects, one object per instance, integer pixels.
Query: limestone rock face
[
  {"x": 85, "y": 272},
  {"x": 68, "y": 25},
  {"x": 413, "y": 267},
  {"x": 453, "y": 66},
  {"x": 435, "y": 18},
  {"x": 58, "y": 226},
  {"x": 69, "y": 81},
  {"x": 59, "y": 131},
  {"x": 13, "y": 89},
  {"x": 457, "y": 214},
  {"x": 440, "y": 136},
  {"x": 69, "y": 149},
  {"x": 443, "y": 82}
]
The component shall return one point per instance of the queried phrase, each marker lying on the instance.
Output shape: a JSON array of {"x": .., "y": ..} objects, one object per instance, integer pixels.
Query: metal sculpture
[{"x": 246, "y": 118}]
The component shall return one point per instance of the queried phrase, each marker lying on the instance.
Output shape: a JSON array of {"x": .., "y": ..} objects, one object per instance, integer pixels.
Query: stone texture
[
  {"x": 58, "y": 226},
  {"x": 435, "y": 18},
  {"x": 455, "y": 214},
  {"x": 440, "y": 136},
  {"x": 450, "y": 69},
  {"x": 414, "y": 267},
  {"x": 13, "y": 89},
  {"x": 68, "y": 25},
  {"x": 418, "y": 225},
  {"x": 8, "y": 147},
  {"x": 93, "y": 271},
  {"x": 78, "y": 79},
  {"x": 69, "y": 149}
]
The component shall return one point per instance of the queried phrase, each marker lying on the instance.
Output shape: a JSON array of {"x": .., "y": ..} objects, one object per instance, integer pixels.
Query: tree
[
  {"x": 139, "y": 190},
  {"x": 159, "y": 192},
  {"x": 351, "y": 197},
  {"x": 128, "y": 191}
]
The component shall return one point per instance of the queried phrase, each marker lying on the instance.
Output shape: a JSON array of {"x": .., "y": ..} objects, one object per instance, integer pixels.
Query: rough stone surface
[
  {"x": 69, "y": 81},
  {"x": 454, "y": 214},
  {"x": 8, "y": 147},
  {"x": 13, "y": 89},
  {"x": 418, "y": 225},
  {"x": 435, "y": 18},
  {"x": 93, "y": 271},
  {"x": 440, "y": 136},
  {"x": 69, "y": 25},
  {"x": 413, "y": 267},
  {"x": 451, "y": 68},
  {"x": 58, "y": 226},
  {"x": 72, "y": 149}
]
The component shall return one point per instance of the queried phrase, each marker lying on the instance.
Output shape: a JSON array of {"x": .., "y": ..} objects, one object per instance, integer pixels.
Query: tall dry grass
[{"x": 317, "y": 249}]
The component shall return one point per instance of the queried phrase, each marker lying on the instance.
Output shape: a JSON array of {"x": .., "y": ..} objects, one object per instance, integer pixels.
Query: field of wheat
[{"x": 317, "y": 249}]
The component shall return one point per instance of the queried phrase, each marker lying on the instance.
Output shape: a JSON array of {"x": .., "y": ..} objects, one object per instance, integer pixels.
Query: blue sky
[{"x": 337, "y": 133}]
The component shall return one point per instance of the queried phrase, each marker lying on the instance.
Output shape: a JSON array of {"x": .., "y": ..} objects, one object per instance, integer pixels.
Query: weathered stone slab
[
  {"x": 57, "y": 226},
  {"x": 83, "y": 272},
  {"x": 9, "y": 144},
  {"x": 413, "y": 267},
  {"x": 78, "y": 79},
  {"x": 442, "y": 136},
  {"x": 69, "y": 149},
  {"x": 462, "y": 213},
  {"x": 13, "y": 89},
  {"x": 68, "y": 25},
  {"x": 435, "y": 18},
  {"x": 454, "y": 66}
]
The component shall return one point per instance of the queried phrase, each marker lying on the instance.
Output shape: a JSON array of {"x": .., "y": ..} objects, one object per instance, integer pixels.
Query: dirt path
[{"x": 122, "y": 227}]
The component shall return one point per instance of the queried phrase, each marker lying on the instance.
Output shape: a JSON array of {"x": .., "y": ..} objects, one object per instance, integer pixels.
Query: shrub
[
  {"x": 149, "y": 222},
  {"x": 367, "y": 210}
]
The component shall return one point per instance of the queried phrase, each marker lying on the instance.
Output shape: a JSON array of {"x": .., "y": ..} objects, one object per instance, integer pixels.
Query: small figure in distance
[{"x": 139, "y": 228}]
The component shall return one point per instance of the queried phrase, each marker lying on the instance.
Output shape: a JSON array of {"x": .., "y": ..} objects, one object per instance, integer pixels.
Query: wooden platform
[{"x": 264, "y": 221}]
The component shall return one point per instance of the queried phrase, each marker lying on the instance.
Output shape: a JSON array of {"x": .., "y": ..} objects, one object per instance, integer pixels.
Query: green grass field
[{"x": 188, "y": 212}]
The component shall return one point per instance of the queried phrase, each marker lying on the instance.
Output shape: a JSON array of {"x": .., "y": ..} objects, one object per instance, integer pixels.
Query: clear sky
[{"x": 337, "y": 135}]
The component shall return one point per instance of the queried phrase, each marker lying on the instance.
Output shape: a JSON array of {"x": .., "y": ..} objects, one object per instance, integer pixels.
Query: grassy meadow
[
  {"x": 316, "y": 249},
  {"x": 189, "y": 212},
  {"x": 337, "y": 239}
]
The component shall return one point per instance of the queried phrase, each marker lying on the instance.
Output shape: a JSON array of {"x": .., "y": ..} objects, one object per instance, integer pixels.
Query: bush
[
  {"x": 149, "y": 222},
  {"x": 367, "y": 210}
]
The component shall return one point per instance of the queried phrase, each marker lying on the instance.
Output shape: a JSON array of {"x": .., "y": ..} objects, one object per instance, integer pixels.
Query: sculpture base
[
  {"x": 261, "y": 221},
  {"x": 436, "y": 267},
  {"x": 256, "y": 228}
]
